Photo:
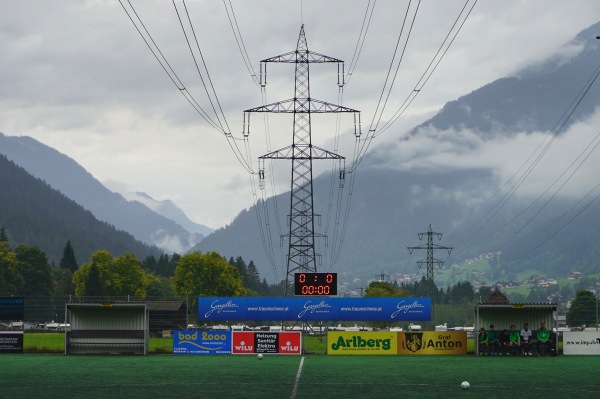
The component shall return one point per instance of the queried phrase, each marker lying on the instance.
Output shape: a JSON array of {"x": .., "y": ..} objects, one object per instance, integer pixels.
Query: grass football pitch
[{"x": 311, "y": 376}]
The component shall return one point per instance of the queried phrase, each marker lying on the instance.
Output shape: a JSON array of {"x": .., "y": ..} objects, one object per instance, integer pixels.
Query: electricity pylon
[
  {"x": 430, "y": 260},
  {"x": 301, "y": 250}
]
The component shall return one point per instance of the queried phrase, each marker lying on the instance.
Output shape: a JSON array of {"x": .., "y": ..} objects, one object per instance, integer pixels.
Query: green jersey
[
  {"x": 543, "y": 335},
  {"x": 515, "y": 336},
  {"x": 492, "y": 336},
  {"x": 483, "y": 338}
]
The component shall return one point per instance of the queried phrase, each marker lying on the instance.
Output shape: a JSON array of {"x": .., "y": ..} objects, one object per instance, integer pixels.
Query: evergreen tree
[
  {"x": 68, "y": 260},
  {"x": 253, "y": 278},
  {"x": 93, "y": 285},
  {"x": 3, "y": 235},
  {"x": 583, "y": 309},
  {"x": 240, "y": 265}
]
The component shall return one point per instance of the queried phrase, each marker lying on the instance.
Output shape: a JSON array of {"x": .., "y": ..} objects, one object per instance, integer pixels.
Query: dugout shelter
[
  {"x": 498, "y": 311},
  {"x": 107, "y": 327}
]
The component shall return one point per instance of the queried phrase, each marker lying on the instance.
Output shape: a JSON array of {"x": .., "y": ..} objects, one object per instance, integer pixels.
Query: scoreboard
[{"x": 315, "y": 284}]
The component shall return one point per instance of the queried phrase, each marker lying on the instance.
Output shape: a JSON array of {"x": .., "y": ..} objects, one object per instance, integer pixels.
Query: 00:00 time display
[{"x": 316, "y": 290}]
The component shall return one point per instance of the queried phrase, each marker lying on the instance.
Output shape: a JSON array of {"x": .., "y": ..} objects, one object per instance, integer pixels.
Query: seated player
[
  {"x": 483, "y": 342},
  {"x": 493, "y": 344},
  {"x": 514, "y": 343},
  {"x": 503, "y": 342},
  {"x": 526, "y": 339},
  {"x": 543, "y": 340}
]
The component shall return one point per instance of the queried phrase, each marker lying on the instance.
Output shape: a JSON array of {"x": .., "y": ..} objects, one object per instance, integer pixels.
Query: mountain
[
  {"x": 35, "y": 214},
  {"x": 448, "y": 173},
  {"x": 533, "y": 99},
  {"x": 67, "y": 176},
  {"x": 168, "y": 209}
]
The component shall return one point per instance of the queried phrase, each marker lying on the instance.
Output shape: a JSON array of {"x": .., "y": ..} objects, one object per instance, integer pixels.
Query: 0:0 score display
[{"x": 307, "y": 284}]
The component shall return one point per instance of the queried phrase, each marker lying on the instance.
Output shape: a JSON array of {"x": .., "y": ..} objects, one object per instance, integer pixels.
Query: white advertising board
[{"x": 581, "y": 343}]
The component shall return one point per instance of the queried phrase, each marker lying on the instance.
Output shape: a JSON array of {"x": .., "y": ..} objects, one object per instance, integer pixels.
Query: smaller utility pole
[
  {"x": 430, "y": 260},
  {"x": 382, "y": 278}
]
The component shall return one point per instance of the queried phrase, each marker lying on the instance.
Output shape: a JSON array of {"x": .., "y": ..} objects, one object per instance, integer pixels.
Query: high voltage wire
[
  {"x": 361, "y": 38},
  {"x": 240, "y": 41},
  {"x": 208, "y": 94},
  {"x": 260, "y": 206},
  {"x": 222, "y": 127},
  {"x": 168, "y": 69},
  {"x": 360, "y": 151},
  {"x": 163, "y": 61},
  {"x": 378, "y": 114},
  {"x": 557, "y": 129},
  {"x": 568, "y": 222},
  {"x": 434, "y": 63}
]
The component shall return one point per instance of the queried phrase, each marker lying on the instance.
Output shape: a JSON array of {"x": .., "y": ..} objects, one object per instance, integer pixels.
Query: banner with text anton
[{"x": 314, "y": 309}]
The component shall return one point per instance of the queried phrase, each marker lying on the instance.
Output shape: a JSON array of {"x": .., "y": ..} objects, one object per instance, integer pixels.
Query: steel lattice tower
[
  {"x": 301, "y": 251},
  {"x": 430, "y": 260}
]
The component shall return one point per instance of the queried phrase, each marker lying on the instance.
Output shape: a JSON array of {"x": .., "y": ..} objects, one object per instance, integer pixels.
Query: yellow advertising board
[
  {"x": 362, "y": 343},
  {"x": 432, "y": 343}
]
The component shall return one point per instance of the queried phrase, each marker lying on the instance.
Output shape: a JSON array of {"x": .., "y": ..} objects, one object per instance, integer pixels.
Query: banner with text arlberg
[{"x": 314, "y": 309}]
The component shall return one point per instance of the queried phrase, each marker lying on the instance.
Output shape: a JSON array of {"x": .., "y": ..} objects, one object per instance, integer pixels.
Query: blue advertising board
[
  {"x": 314, "y": 309},
  {"x": 11, "y": 308},
  {"x": 202, "y": 342}
]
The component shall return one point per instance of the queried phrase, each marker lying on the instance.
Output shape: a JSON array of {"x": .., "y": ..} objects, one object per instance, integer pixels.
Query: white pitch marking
[{"x": 297, "y": 380}]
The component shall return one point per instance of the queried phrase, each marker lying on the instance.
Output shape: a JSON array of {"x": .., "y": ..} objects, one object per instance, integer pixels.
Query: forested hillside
[{"x": 34, "y": 214}]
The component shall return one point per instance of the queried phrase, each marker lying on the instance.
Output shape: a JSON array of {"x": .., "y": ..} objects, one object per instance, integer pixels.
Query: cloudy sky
[{"x": 77, "y": 76}]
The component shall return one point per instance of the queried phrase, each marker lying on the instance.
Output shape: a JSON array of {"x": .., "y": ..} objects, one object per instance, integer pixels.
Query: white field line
[{"x": 297, "y": 380}]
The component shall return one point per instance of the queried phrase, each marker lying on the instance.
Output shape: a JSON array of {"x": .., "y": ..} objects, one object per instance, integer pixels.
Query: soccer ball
[
  {"x": 260, "y": 356},
  {"x": 465, "y": 385}
]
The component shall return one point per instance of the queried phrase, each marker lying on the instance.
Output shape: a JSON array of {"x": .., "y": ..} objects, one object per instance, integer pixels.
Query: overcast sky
[{"x": 77, "y": 76}]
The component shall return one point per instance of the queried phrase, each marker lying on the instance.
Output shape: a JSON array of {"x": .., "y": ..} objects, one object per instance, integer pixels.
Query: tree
[
  {"x": 583, "y": 309},
  {"x": 3, "y": 235},
  {"x": 68, "y": 260},
  {"x": 10, "y": 278},
  {"x": 462, "y": 292},
  {"x": 206, "y": 274},
  {"x": 63, "y": 282},
  {"x": 159, "y": 287},
  {"x": 92, "y": 286},
  {"x": 108, "y": 276},
  {"x": 252, "y": 280},
  {"x": 33, "y": 266},
  {"x": 240, "y": 265},
  {"x": 383, "y": 289}
]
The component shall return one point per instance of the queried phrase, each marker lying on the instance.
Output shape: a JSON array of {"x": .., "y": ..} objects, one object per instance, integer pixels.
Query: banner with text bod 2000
[
  {"x": 314, "y": 309},
  {"x": 202, "y": 342}
]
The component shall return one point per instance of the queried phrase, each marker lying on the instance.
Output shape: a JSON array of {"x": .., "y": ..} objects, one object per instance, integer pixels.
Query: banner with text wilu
[{"x": 314, "y": 309}]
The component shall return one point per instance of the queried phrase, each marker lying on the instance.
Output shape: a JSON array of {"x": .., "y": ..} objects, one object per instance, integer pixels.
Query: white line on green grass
[{"x": 297, "y": 380}]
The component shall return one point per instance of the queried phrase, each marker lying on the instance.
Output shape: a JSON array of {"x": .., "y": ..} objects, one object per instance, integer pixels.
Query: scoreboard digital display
[{"x": 309, "y": 284}]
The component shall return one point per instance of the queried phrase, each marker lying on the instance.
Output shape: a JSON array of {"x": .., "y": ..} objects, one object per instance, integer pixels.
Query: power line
[
  {"x": 240, "y": 41},
  {"x": 541, "y": 150},
  {"x": 208, "y": 94},
  {"x": 434, "y": 63},
  {"x": 166, "y": 66},
  {"x": 169, "y": 70}
]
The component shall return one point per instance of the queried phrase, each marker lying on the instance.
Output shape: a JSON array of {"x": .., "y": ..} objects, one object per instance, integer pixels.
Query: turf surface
[{"x": 196, "y": 376}]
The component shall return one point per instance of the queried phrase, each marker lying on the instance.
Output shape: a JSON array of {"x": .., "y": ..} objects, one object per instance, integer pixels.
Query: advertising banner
[
  {"x": 581, "y": 343},
  {"x": 432, "y": 343},
  {"x": 361, "y": 343},
  {"x": 11, "y": 341},
  {"x": 202, "y": 342},
  {"x": 11, "y": 308},
  {"x": 315, "y": 309},
  {"x": 251, "y": 342}
]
